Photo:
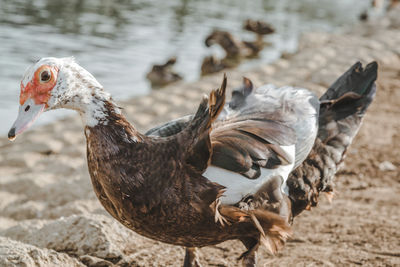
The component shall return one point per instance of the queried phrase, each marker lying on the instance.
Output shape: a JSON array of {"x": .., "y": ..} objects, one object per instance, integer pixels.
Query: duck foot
[
  {"x": 191, "y": 258},
  {"x": 250, "y": 256}
]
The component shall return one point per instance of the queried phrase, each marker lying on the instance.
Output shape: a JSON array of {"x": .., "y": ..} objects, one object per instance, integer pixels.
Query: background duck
[
  {"x": 211, "y": 64},
  {"x": 226, "y": 40},
  {"x": 161, "y": 75},
  {"x": 235, "y": 49},
  {"x": 164, "y": 187},
  {"x": 260, "y": 28}
]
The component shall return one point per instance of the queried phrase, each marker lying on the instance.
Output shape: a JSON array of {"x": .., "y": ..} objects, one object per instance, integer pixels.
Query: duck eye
[{"x": 45, "y": 76}]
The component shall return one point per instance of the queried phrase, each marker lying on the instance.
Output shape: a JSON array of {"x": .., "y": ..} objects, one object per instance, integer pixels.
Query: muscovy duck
[
  {"x": 217, "y": 175},
  {"x": 234, "y": 48},
  {"x": 235, "y": 51},
  {"x": 162, "y": 75},
  {"x": 211, "y": 64}
]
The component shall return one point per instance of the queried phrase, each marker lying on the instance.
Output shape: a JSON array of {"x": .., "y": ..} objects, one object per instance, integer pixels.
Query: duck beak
[{"x": 27, "y": 114}]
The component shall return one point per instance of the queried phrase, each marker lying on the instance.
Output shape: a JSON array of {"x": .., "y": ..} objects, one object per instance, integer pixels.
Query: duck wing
[
  {"x": 266, "y": 136},
  {"x": 248, "y": 151},
  {"x": 295, "y": 108},
  {"x": 259, "y": 134},
  {"x": 247, "y": 145}
]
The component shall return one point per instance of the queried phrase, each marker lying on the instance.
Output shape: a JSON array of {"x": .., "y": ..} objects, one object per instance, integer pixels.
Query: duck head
[{"x": 53, "y": 83}]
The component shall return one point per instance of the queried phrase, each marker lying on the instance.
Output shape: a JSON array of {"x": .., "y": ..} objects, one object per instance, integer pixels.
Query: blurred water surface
[{"x": 118, "y": 41}]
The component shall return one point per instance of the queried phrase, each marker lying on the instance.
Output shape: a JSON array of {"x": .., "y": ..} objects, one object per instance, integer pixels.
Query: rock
[
  {"x": 14, "y": 253},
  {"x": 37, "y": 195},
  {"x": 25, "y": 210},
  {"x": 74, "y": 207},
  {"x": 387, "y": 166},
  {"x": 95, "y": 235},
  {"x": 18, "y": 232}
]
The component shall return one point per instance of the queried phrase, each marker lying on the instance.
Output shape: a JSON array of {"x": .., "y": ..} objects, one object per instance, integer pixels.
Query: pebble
[{"x": 387, "y": 166}]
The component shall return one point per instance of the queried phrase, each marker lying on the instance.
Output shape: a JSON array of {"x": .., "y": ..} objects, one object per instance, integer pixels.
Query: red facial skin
[{"x": 39, "y": 91}]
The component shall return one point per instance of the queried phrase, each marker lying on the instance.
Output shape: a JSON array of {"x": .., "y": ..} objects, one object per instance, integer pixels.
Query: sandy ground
[{"x": 49, "y": 215}]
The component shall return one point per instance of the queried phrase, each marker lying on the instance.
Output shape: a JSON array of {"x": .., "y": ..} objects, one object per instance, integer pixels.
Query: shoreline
[{"x": 48, "y": 207}]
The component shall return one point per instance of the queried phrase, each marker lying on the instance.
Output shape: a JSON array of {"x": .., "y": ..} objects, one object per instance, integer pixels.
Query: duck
[
  {"x": 162, "y": 75},
  {"x": 363, "y": 16},
  {"x": 219, "y": 174},
  {"x": 260, "y": 28},
  {"x": 226, "y": 40},
  {"x": 211, "y": 64},
  {"x": 234, "y": 48},
  {"x": 235, "y": 51}
]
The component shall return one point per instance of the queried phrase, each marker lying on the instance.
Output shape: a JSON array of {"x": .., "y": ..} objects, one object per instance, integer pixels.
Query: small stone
[{"x": 387, "y": 166}]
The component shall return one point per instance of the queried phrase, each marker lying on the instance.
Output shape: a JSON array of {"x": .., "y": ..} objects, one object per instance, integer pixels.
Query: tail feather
[
  {"x": 342, "y": 109},
  {"x": 356, "y": 79},
  {"x": 273, "y": 229},
  {"x": 346, "y": 101},
  {"x": 277, "y": 230}
]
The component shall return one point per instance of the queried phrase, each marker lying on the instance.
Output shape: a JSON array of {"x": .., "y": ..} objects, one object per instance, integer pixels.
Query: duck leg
[
  {"x": 191, "y": 258},
  {"x": 250, "y": 256}
]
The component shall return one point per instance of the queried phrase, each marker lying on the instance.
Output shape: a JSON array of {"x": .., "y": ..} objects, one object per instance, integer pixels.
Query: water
[{"x": 118, "y": 41}]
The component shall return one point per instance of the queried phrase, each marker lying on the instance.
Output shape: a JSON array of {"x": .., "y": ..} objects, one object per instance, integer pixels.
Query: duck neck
[
  {"x": 80, "y": 91},
  {"x": 98, "y": 108},
  {"x": 102, "y": 117}
]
